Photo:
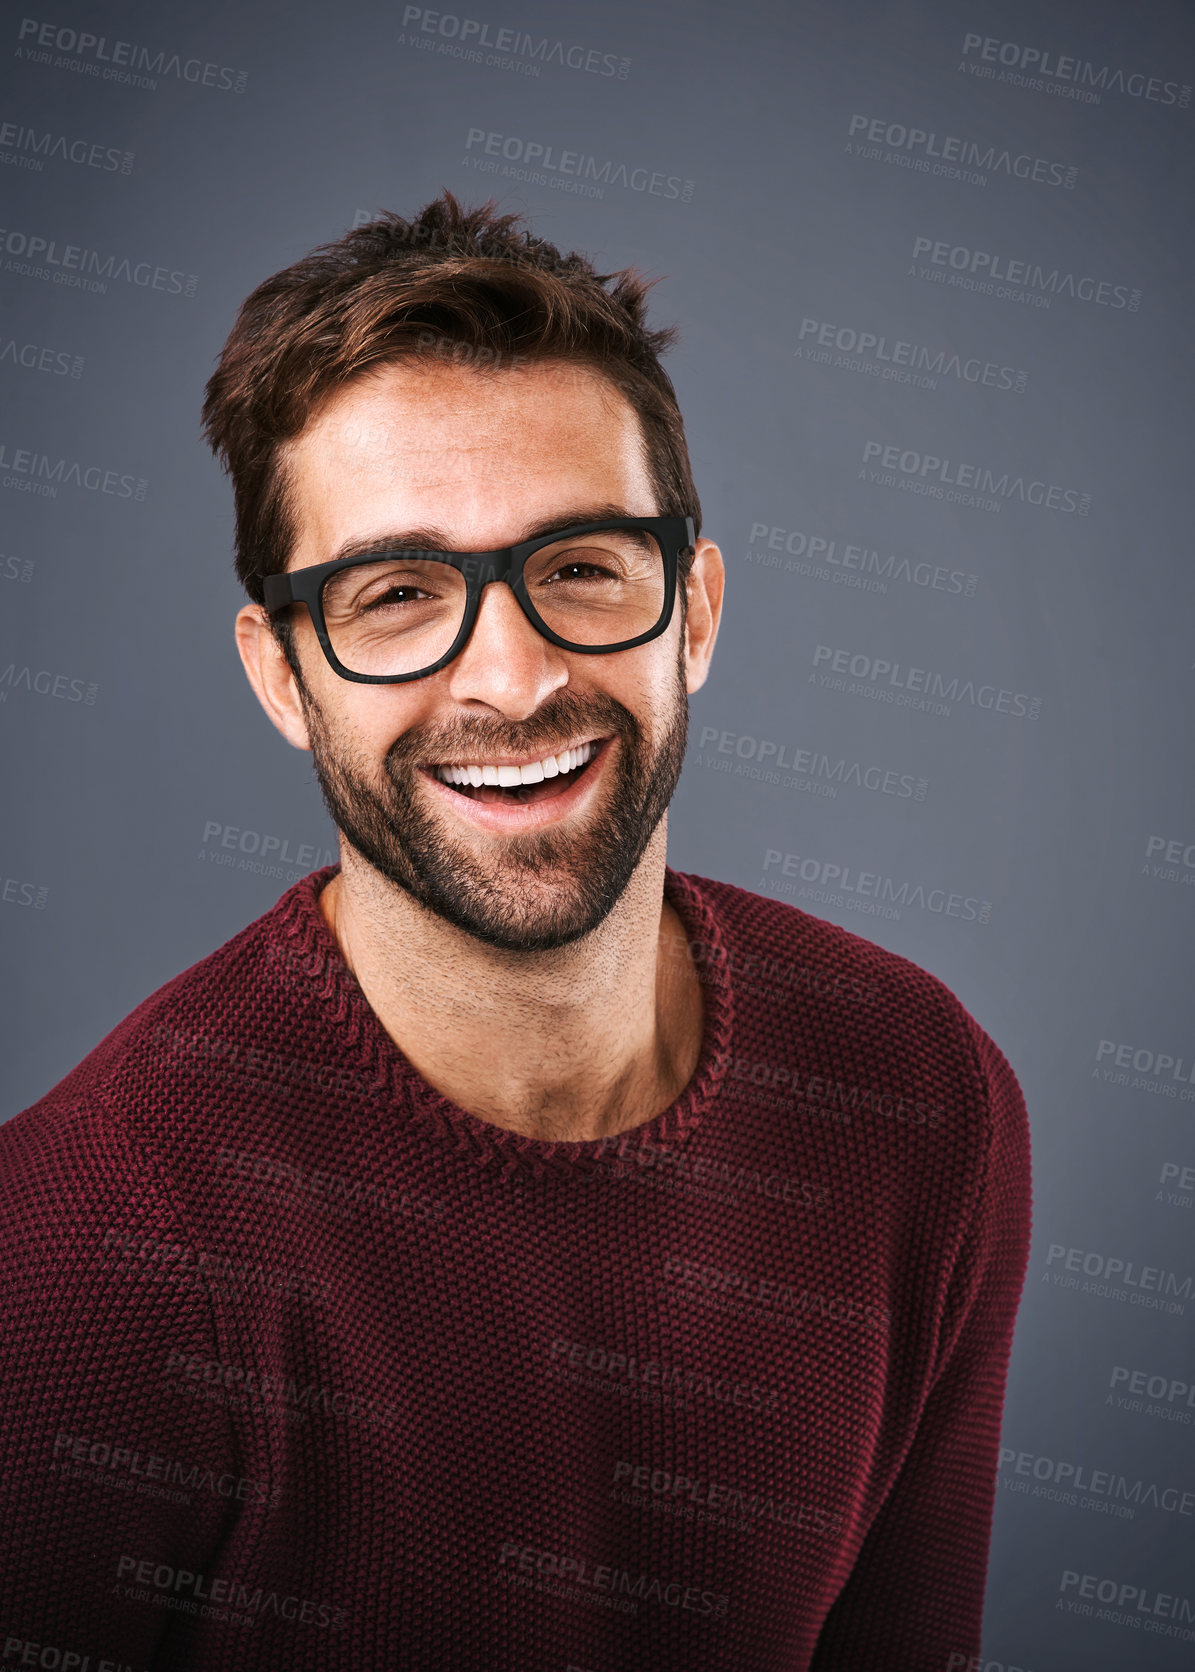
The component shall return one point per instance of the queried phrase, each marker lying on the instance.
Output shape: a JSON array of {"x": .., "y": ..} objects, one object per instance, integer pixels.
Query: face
[{"x": 479, "y": 460}]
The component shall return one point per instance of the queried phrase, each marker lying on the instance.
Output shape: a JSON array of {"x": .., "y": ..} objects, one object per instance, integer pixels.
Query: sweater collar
[{"x": 361, "y": 1038}]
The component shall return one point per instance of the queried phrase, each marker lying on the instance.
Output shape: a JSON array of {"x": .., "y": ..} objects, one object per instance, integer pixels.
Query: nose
[{"x": 506, "y": 663}]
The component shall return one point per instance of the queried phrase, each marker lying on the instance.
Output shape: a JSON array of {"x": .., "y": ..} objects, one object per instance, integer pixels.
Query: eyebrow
[{"x": 430, "y": 539}]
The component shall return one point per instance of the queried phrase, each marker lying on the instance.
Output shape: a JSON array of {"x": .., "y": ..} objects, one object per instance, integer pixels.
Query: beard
[{"x": 533, "y": 891}]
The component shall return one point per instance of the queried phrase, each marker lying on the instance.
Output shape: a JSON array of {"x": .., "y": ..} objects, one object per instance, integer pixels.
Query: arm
[
  {"x": 914, "y": 1598},
  {"x": 105, "y": 1461}
]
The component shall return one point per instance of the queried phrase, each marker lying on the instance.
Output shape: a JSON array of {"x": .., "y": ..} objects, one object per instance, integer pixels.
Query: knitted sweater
[{"x": 306, "y": 1367}]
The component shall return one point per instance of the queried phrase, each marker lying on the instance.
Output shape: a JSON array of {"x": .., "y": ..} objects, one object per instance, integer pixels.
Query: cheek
[
  {"x": 668, "y": 673},
  {"x": 648, "y": 686},
  {"x": 361, "y": 729}
]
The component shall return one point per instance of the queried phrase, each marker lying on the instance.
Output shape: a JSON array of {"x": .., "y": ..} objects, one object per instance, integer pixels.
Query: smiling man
[
  {"x": 499, "y": 896},
  {"x": 508, "y": 1252}
]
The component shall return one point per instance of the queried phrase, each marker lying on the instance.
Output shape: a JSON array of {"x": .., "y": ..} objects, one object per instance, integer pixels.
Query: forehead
[{"x": 476, "y": 453}]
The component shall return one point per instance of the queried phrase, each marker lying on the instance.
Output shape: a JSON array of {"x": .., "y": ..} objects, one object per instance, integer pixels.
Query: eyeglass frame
[{"x": 674, "y": 535}]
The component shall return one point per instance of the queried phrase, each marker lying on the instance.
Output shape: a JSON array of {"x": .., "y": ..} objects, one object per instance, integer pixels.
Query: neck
[{"x": 571, "y": 1044}]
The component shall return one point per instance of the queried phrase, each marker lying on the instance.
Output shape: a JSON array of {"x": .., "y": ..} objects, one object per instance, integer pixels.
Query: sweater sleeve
[
  {"x": 107, "y": 1463},
  {"x": 913, "y": 1601}
]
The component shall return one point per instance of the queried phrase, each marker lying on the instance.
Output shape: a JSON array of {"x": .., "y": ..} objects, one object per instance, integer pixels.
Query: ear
[
  {"x": 704, "y": 586},
  {"x": 270, "y": 675}
]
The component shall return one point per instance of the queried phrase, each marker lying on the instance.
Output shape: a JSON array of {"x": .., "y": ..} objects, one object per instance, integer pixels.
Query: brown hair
[{"x": 469, "y": 281}]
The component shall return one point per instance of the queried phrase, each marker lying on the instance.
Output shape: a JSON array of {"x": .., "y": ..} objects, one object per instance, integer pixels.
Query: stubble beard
[{"x": 523, "y": 893}]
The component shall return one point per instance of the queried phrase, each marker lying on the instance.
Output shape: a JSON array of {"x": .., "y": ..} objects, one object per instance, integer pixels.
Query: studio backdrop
[{"x": 930, "y": 264}]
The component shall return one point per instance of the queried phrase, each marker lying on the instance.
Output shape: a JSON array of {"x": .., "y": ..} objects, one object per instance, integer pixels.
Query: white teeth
[{"x": 533, "y": 773}]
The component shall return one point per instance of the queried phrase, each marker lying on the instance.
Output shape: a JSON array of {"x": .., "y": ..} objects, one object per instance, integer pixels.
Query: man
[{"x": 507, "y": 1252}]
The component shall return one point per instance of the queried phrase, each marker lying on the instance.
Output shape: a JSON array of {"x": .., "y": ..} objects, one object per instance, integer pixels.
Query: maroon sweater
[{"x": 305, "y": 1366}]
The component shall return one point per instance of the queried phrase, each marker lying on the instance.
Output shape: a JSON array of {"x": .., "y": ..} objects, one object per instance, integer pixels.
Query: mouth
[
  {"x": 525, "y": 806},
  {"x": 509, "y": 786}
]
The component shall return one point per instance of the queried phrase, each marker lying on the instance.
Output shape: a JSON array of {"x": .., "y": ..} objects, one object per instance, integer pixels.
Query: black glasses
[{"x": 388, "y": 616}]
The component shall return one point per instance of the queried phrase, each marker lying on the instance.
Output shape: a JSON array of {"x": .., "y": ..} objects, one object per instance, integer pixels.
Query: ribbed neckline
[{"x": 364, "y": 1039}]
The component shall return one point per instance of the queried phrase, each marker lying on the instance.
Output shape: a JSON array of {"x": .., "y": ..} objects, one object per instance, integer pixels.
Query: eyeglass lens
[{"x": 400, "y": 614}]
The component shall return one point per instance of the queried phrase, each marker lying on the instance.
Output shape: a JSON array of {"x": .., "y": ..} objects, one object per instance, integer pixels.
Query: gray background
[{"x": 143, "y": 780}]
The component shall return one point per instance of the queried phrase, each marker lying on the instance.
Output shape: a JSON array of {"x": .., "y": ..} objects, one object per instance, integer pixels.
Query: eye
[
  {"x": 394, "y": 595},
  {"x": 575, "y": 564}
]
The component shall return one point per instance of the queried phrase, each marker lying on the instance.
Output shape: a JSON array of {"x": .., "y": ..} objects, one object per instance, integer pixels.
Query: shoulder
[
  {"x": 876, "y": 1020},
  {"x": 141, "y": 1073},
  {"x": 801, "y": 959}
]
